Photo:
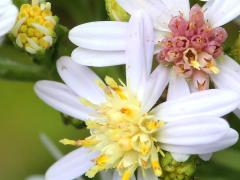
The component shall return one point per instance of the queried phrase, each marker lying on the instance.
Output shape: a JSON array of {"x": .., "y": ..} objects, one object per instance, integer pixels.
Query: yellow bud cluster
[{"x": 34, "y": 29}]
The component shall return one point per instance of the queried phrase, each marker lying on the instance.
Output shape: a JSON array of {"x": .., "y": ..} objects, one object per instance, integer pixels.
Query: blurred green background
[{"x": 23, "y": 116}]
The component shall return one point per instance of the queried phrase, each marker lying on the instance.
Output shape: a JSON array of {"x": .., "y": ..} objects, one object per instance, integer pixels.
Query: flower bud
[
  {"x": 220, "y": 34},
  {"x": 180, "y": 43},
  {"x": 34, "y": 30},
  {"x": 178, "y": 25},
  {"x": 196, "y": 16},
  {"x": 199, "y": 42},
  {"x": 177, "y": 170},
  {"x": 214, "y": 48},
  {"x": 116, "y": 12}
]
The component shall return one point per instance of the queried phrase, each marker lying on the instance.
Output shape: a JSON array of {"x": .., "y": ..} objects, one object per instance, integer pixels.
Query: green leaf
[{"x": 17, "y": 65}]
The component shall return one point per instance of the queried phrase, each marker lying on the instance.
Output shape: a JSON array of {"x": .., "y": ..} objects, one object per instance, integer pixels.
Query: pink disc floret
[{"x": 193, "y": 47}]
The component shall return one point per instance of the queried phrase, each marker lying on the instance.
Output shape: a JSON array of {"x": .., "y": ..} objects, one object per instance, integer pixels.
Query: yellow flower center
[
  {"x": 123, "y": 134},
  {"x": 34, "y": 29}
]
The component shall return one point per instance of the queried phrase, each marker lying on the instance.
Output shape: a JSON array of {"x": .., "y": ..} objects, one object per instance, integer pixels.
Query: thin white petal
[
  {"x": 95, "y": 58},
  {"x": 147, "y": 174},
  {"x": 205, "y": 157},
  {"x": 127, "y": 5},
  {"x": 81, "y": 80},
  {"x": 229, "y": 63},
  {"x": 8, "y": 18},
  {"x": 103, "y": 35},
  {"x": 62, "y": 98},
  {"x": 136, "y": 63},
  {"x": 106, "y": 174},
  {"x": 228, "y": 140},
  {"x": 116, "y": 176},
  {"x": 149, "y": 41},
  {"x": 220, "y": 12},
  {"x": 180, "y": 157},
  {"x": 177, "y": 7},
  {"x": 193, "y": 131},
  {"x": 157, "y": 10},
  {"x": 35, "y": 177},
  {"x": 73, "y": 165},
  {"x": 178, "y": 87},
  {"x": 5, "y": 2},
  {"x": 215, "y": 102},
  {"x": 237, "y": 112},
  {"x": 229, "y": 75},
  {"x": 159, "y": 36},
  {"x": 154, "y": 87},
  {"x": 51, "y": 147}
]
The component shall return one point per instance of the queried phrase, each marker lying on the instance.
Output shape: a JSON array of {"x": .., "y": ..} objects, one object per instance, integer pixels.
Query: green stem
[{"x": 13, "y": 70}]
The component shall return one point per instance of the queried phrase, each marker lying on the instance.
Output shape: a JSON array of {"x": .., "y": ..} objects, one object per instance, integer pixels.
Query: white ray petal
[
  {"x": 193, "y": 131},
  {"x": 95, "y": 58},
  {"x": 136, "y": 72},
  {"x": 157, "y": 10},
  {"x": 106, "y": 174},
  {"x": 180, "y": 157},
  {"x": 228, "y": 140},
  {"x": 158, "y": 37},
  {"x": 229, "y": 75},
  {"x": 82, "y": 80},
  {"x": 214, "y": 102},
  {"x": 62, "y": 98},
  {"x": 229, "y": 63},
  {"x": 116, "y": 176},
  {"x": 5, "y": 2},
  {"x": 178, "y": 87},
  {"x": 149, "y": 41},
  {"x": 73, "y": 165},
  {"x": 35, "y": 177},
  {"x": 8, "y": 18},
  {"x": 154, "y": 87},
  {"x": 128, "y": 5},
  {"x": 177, "y": 7},
  {"x": 102, "y": 35},
  {"x": 237, "y": 112},
  {"x": 220, "y": 12},
  {"x": 50, "y": 146},
  {"x": 206, "y": 157}
]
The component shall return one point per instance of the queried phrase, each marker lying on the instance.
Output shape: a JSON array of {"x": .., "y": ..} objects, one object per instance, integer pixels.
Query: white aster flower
[
  {"x": 187, "y": 40},
  {"x": 126, "y": 131},
  {"x": 8, "y": 15}
]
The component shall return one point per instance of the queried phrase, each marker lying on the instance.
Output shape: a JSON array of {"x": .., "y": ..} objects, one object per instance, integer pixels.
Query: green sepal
[{"x": 116, "y": 12}]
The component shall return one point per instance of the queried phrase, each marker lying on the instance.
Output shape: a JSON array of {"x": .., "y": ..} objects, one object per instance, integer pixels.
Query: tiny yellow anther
[
  {"x": 126, "y": 175},
  {"x": 195, "y": 64},
  {"x": 156, "y": 168},
  {"x": 214, "y": 69},
  {"x": 101, "y": 160},
  {"x": 68, "y": 142}
]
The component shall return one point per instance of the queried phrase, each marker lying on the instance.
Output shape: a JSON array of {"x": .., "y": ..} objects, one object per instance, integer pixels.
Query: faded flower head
[
  {"x": 193, "y": 46},
  {"x": 34, "y": 29}
]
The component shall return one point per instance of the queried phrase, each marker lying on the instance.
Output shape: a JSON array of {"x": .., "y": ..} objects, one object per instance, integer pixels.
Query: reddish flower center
[{"x": 193, "y": 45}]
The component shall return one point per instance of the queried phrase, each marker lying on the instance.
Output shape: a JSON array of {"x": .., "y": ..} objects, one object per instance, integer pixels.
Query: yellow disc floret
[
  {"x": 34, "y": 29},
  {"x": 123, "y": 134}
]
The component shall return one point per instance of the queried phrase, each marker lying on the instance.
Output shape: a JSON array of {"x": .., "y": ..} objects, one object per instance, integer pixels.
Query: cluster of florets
[
  {"x": 35, "y": 26},
  {"x": 192, "y": 45}
]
